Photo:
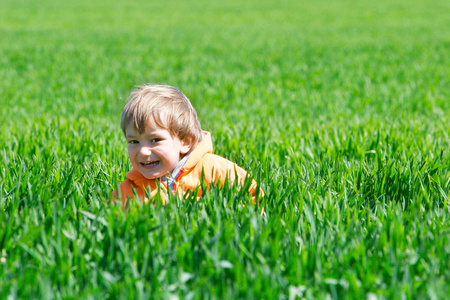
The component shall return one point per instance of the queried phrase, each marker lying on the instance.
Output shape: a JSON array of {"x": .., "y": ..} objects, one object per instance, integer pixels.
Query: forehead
[{"x": 150, "y": 129}]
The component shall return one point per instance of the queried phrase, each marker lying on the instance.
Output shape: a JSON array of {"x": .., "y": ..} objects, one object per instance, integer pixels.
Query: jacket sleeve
[
  {"x": 241, "y": 176},
  {"x": 223, "y": 169}
]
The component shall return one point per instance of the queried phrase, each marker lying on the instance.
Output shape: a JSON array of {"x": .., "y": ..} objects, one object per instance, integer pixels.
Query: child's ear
[{"x": 186, "y": 146}]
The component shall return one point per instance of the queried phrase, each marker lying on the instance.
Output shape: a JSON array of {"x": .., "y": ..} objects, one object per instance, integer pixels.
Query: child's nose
[{"x": 145, "y": 150}]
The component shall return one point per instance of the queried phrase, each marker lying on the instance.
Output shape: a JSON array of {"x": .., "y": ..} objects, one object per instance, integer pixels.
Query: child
[{"x": 167, "y": 145}]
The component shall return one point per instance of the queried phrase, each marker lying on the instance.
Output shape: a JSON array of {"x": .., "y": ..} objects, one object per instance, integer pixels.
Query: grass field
[{"x": 339, "y": 109}]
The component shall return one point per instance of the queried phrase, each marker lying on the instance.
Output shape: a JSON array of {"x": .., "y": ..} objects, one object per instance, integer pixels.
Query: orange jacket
[{"x": 200, "y": 164}]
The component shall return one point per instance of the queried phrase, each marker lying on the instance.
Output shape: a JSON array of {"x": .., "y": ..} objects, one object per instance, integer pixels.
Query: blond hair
[{"x": 164, "y": 106}]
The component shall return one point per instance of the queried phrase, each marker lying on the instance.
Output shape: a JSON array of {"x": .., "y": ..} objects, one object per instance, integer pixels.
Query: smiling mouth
[{"x": 149, "y": 164}]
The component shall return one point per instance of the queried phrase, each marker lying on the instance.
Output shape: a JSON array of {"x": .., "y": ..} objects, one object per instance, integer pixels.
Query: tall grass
[{"x": 339, "y": 110}]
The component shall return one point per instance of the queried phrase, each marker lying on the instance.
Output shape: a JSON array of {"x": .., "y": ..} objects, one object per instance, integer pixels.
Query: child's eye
[
  {"x": 155, "y": 140},
  {"x": 133, "y": 142}
]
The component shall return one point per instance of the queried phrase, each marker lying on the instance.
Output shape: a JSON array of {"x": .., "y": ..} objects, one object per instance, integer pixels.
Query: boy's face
[{"x": 155, "y": 152}]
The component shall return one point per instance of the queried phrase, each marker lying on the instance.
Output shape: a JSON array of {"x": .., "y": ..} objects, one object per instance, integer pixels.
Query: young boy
[{"x": 167, "y": 145}]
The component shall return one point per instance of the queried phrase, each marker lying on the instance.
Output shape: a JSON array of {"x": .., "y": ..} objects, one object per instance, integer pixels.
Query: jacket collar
[{"x": 205, "y": 146}]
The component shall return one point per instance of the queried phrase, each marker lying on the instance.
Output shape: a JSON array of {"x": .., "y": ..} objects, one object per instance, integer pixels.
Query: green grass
[{"x": 341, "y": 111}]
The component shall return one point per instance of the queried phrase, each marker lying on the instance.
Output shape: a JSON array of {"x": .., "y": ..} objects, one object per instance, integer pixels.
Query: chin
[{"x": 151, "y": 176}]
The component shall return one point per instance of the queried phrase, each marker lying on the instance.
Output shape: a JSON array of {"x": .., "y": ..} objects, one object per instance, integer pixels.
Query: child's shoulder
[
  {"x": 219, "y": 165},
  {"x": 214, "y": 159}
]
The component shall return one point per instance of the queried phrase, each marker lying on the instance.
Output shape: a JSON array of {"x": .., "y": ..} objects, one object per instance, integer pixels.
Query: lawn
[{"x": 339, "y": 109}]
